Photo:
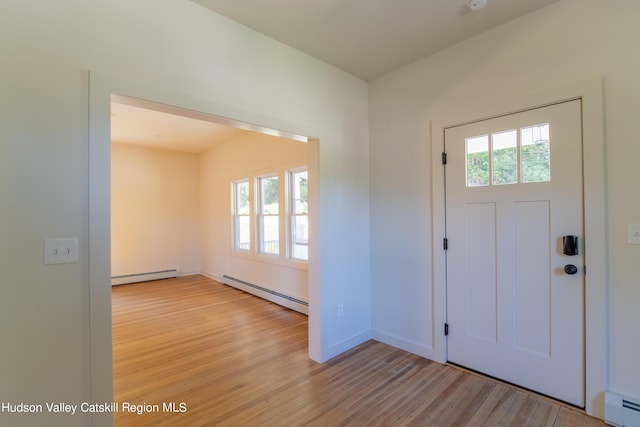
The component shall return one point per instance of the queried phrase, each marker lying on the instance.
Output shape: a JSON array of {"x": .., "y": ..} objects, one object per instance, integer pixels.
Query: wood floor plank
[{"x": 236, "y": 360}]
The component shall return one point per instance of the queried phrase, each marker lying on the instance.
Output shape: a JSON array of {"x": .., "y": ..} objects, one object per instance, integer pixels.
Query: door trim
[{"x": 596, "y": 312}]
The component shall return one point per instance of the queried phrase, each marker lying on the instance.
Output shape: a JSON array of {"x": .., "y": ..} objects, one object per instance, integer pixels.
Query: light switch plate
[
  {"x": 634, "y": 234},
  {"x": 60, "y": 251}
]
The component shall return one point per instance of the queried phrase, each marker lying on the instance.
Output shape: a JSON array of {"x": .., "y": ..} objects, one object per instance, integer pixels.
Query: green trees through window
[
  {"x": 268, "y": 215},
  {"x": 299, "y": 214},
  {"x": 270, "y": 192},
  {"x": 535, "y": 156},
  {"x": 241, "y": 212},
  {"x": 509, "y": 157}
]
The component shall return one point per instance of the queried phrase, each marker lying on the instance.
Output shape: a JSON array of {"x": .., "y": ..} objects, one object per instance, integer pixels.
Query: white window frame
[
  {"x": 286, "y": 255},
  {"x": 292, "y": 215},
  {"x": 237, "y": 216},
  {"x": 261, "y": 215}
]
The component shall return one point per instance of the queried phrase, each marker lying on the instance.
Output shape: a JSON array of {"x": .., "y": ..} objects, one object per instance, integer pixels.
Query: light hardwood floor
[{"x": 233, "y": 359}]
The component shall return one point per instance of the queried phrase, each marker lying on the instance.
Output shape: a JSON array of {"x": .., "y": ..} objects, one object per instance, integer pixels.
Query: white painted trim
[
  {"x": 100, "y": 342},
  {"x": 403, "y": 344},
  {"x": 144, "y": 277},
  {"x": 212, "y": 276},
  {"x": 318, "y": 295},
  {"x": 348, "y": 344},
  {"x": 266, "y": 294},
  {"x": 596, "y": 253},
  {"x": 101, "y": 88}
]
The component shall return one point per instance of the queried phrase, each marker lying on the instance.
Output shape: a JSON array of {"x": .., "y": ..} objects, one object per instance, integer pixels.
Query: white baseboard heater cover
[
  {"x": 264, "y": 293},
  {"x": 621, "y": 410},
  {"x": 144, "y": 277}
]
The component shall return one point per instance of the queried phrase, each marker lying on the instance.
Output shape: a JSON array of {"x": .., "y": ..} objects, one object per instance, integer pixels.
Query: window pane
[
  {"x": 505, "y": 153},
  {"x": 300, "y": 187},
  {"x": 242, "y": 198},
  {"x": 243, "y": 233},
  {"x": 477, "y": 161},
  {"x": 269, "y": 195},
  {"x": 535, "y": 157},
  {"x": 240, "y": 207},
  {"x": 270, "y": 234},
  {"x": 300, "y": 237}
]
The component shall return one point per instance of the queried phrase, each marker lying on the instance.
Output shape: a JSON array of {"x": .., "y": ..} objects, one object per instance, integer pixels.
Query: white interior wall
[
  {"x": 154, "y": 211},
  {"x": 568, "y": 41},
  {"x": 49, "y": 314},
  {"x": 246, "y": 157}
]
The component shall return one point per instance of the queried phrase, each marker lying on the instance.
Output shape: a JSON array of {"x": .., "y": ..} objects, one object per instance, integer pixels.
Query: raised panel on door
[{"x": 513, "y": 189}]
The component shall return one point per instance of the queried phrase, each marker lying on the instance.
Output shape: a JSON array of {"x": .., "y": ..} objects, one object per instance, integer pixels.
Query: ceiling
[
  {"x": 164, "y": 127},
  {"x": 369, "y": 38},
  {"x": 366, "y": 38},
  {"x": 148, "y": 128}
]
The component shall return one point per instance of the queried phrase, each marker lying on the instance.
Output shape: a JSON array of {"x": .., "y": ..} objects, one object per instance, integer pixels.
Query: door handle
[{"x": 570, "y": 269}]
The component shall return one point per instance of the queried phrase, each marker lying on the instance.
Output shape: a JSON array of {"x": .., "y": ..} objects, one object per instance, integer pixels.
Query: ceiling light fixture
[{"x": 476, "y": 4}]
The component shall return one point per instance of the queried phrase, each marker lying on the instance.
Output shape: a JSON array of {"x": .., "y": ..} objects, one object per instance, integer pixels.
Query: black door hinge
[
  {"x": 445, "y": 243},
  {"x": 446, "y": 329},
  {"x": 444, "y": 158}
]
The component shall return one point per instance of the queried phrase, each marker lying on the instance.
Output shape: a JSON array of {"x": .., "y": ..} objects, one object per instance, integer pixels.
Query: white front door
[{"x": 513, "y": 190}]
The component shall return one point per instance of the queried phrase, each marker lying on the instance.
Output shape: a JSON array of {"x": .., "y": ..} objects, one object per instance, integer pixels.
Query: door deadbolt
[
  {"x": 570, "y": 269},
  {"x": 570, "y": 245}
]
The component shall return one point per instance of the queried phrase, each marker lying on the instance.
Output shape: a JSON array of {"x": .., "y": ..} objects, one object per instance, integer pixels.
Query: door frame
[
  {"x": 596, "y": 286},
  {"x": 101, "y": 88}
]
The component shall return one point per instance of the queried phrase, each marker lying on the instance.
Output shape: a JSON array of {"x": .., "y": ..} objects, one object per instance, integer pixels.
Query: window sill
[{"x": 271, "y": 259}]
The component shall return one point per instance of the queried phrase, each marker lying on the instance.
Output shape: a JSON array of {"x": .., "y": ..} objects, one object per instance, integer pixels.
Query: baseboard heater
[
  {"x": 143, "y": 277},
  {"x": 621, "y": 410},
  {"x": 264, "y": 293}
]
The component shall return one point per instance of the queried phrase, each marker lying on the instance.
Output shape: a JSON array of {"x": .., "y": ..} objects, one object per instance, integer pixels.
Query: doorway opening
[
  {"x": 172, "y": 176},
  {"x": 101, "y": 90}
]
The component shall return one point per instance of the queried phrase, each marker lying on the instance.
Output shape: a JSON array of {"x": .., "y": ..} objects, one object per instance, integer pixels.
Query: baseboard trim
[
  {"x": 406, "y": 345},
  {"x": 144, "y": 277},
  {"x": 267, "y": 294},
  {"x": 347, "y": 344}
]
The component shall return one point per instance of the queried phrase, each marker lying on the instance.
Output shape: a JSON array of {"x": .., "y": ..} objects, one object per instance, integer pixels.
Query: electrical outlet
[
  {"x": 340, "y": 310},
  {"x": 60, "y": 251}
]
